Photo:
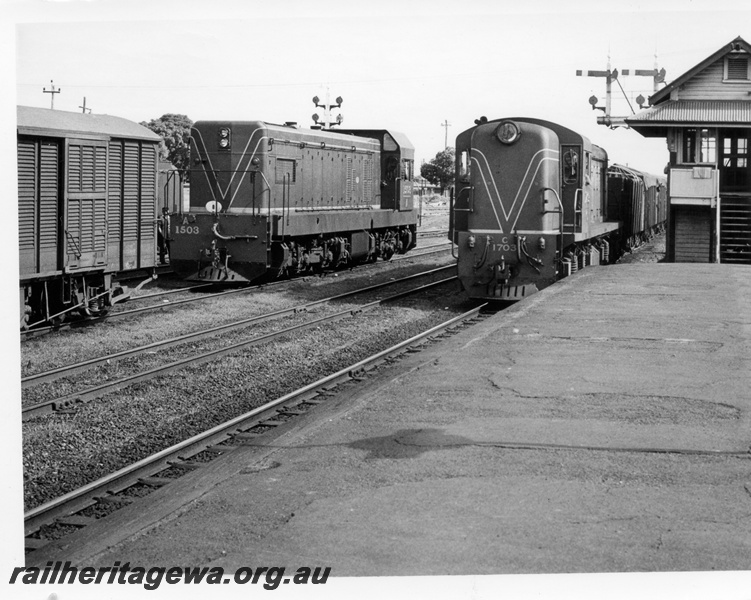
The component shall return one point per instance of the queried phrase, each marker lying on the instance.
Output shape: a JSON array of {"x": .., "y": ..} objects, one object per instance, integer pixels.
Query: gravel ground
[
  {"x": 649, "y": 252},
  {"x": 64, "y": 451},
  {"x": 70, "y": 346}
]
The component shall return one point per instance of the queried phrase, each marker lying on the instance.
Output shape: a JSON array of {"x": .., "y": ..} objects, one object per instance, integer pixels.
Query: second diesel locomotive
[
  {"x": 279, "y": 200},
  {"x": 532, "y": 206}
]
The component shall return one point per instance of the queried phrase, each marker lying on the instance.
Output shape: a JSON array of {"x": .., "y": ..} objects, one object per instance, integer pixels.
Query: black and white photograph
[{"x": 410, "y": 299}]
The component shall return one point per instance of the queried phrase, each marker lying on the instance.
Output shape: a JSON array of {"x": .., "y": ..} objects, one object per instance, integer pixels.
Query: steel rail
[
  {"x": 187, "y": 288},
  {"x": 26, "y": 334},
  {"x": 85, "y": 496},
  {"x": 124, "y": 382},
  {"x": 71, "y": 369}
]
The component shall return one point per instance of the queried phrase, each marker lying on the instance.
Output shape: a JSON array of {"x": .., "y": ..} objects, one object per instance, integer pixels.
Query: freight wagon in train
[{"x": 87, "y": 197}]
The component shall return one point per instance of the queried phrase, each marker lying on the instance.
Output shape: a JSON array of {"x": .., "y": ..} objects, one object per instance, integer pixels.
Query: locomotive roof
[
  {"x": 399, "y": 138},
  {"x": 44, "y": 121},
  {"x": 565, "y": 135},
  {"x": 362, "y": 136}
]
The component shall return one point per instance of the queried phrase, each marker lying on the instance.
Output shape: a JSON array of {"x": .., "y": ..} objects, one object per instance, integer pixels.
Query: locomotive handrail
[
  {"x": 560, "y": 204},
  {"x": 268, "y": 187},
  {"x": 215, "y": 231},
  {"x": 471, "y": 203},
  {"x": 286, "y": 191},
  {"x": 559, "y": 242},
  {"x": 454, "y": 210}
]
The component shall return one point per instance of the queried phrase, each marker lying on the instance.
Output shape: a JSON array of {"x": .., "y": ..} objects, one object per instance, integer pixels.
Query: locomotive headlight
[
  {"x": 541, "y": 243},
  {"x": 471, "y": 241},
  {"x": 225, "y": 137},
  {"x": 507, "y": 132}
]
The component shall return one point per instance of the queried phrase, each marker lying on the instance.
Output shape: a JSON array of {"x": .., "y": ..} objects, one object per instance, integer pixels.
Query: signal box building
[{"x": 705, "y": 116}]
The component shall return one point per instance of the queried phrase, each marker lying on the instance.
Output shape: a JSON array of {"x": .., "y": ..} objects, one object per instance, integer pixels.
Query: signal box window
[{"x": 699, "y": 146}]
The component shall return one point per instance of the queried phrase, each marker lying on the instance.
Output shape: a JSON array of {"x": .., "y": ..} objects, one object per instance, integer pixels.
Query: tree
[
  {"x": 440, "y": 170},
  {"x": 175, "y": 132}
]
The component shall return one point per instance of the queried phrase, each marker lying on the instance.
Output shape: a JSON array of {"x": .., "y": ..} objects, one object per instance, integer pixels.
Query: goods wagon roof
[{"x": 59, "y": 122}]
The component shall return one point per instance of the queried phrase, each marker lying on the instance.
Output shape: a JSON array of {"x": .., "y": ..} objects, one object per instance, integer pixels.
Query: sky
[
  {"x": 426, "y": 68},
  {"x": 413, "y": 66}
]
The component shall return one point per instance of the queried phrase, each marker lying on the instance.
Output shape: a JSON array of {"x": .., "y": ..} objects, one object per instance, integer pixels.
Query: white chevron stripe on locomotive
[
  {"x": 223, "y": 193},
  {"x": 525, "y": 185}
]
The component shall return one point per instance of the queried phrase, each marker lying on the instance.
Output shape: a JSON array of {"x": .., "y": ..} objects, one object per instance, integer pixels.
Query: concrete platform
[{"x": 600, "y": 426}]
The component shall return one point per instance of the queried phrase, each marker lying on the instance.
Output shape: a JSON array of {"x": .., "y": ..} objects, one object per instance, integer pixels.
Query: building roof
[
  {"x": 664, "y": 94},
  {"x": 43, "y": 121},
  {"x": 706, "y": 112}
]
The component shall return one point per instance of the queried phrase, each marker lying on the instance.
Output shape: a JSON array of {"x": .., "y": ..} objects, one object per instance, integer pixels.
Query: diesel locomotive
[
  {"x": 532, "y": 205},
  {"x": 278, "y": 200},
  {"x": 87, "y": 201}
]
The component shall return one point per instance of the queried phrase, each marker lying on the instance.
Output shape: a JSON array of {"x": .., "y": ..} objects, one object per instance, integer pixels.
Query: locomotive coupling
[{"x": 501, "y": 272}]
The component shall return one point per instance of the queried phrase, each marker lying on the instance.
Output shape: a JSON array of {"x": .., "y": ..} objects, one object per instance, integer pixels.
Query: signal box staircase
[{"x": 735, "y": 229}]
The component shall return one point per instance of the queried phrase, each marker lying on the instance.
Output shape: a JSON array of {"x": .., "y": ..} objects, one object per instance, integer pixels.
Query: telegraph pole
[
  {"x": 52, "y": 91},
  {"x": 83, "y": 108},
  {"x": 446, "y": 124}
]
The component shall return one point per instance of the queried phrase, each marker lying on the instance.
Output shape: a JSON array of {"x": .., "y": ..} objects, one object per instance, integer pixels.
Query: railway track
[
  {"x": 74, "y": 510},
  {"x": 71, "y": 399},
  {"x": 117, "y": 314}
]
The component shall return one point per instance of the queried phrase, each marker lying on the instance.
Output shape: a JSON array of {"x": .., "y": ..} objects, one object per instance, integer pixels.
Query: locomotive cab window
[
  {"x": 391, "y": 165},
  {"x": 407, "y": 169},
  {"x": 389, "y": 143},
  {"x": 464, "y": 166},
  {"x": 571, "y": 166}
]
